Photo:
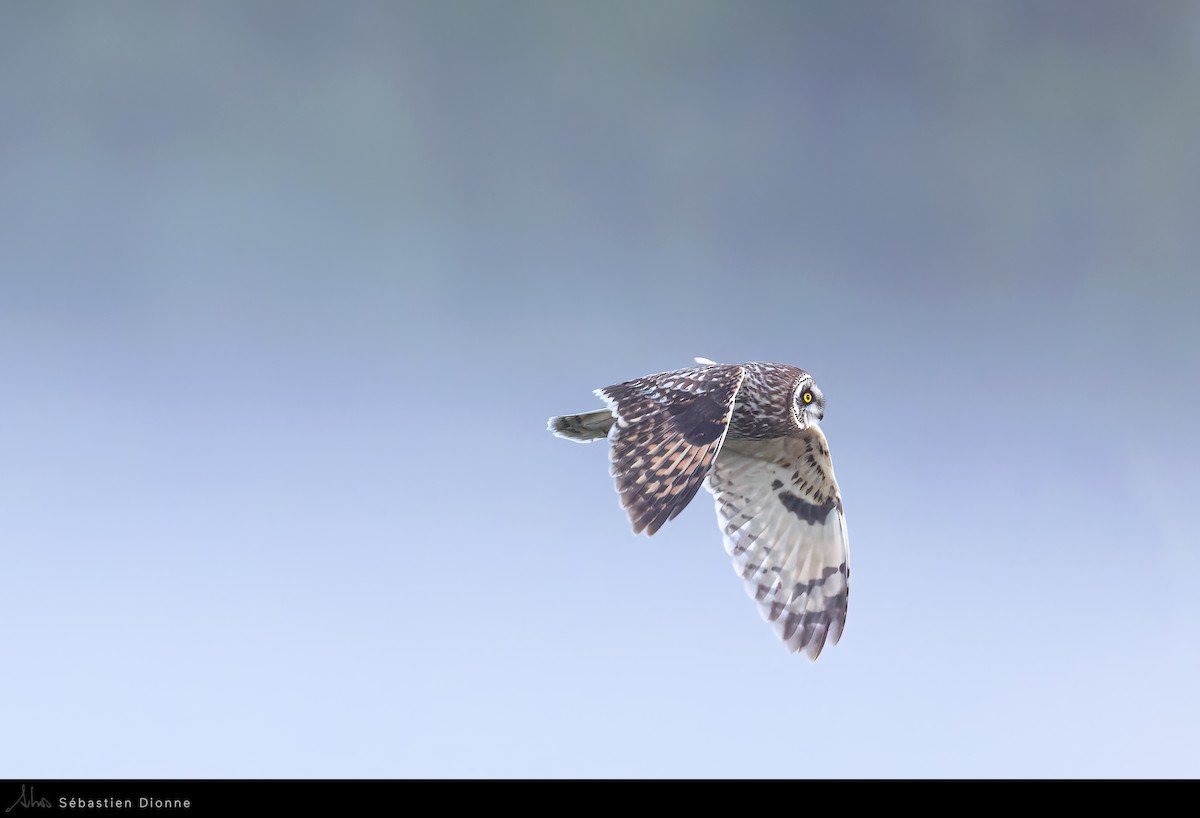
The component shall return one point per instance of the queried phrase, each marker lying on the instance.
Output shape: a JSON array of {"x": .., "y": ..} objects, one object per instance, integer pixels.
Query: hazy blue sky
[{"x": 288, "y": 291}]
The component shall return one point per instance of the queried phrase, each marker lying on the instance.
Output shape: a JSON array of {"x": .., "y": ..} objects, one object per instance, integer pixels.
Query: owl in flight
[{"x": 749, "y": 433}]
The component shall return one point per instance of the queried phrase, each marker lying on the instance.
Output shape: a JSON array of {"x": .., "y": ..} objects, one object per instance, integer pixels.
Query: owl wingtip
[{"x": 705, "y": 362}]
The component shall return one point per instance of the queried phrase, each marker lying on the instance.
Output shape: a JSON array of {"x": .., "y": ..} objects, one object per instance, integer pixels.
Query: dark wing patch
[{"x": 669, "y": 429}]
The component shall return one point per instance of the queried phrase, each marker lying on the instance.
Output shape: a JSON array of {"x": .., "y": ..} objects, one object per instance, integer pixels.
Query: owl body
[{"x": 749, "y": 434}]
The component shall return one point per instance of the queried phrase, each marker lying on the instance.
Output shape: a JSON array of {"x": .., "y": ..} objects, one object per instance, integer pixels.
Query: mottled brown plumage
[{"x": 669, "y": 428}]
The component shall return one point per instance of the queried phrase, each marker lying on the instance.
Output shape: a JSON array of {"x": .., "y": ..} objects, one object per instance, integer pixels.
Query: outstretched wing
[
  {"x": 669, "y": 428},
  {"x": 780, "y": 509}
]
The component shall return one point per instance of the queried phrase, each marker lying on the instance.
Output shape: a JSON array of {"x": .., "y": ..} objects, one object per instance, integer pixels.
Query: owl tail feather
[{"x": 583, "y": 428}]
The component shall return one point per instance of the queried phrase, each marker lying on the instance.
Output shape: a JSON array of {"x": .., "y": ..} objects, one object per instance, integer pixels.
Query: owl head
[{"x": 808, "y": 404}]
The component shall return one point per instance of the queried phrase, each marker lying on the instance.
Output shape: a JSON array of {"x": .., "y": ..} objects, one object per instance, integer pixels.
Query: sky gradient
[{"x": 288, "y": 291}]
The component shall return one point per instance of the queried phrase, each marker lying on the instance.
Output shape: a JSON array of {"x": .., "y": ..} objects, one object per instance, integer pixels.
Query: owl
[{"x": 749, "y": 434}]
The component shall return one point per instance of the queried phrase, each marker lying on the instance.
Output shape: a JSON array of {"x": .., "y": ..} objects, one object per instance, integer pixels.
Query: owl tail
[{"x": 583, "y": 428}]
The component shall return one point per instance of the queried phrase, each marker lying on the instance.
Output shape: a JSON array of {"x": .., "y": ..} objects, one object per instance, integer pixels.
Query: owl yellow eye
[{"x": 808, "y": 397}]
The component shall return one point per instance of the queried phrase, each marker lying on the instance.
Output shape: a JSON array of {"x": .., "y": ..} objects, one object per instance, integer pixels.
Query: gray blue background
[{"x": 288, "y": 291}]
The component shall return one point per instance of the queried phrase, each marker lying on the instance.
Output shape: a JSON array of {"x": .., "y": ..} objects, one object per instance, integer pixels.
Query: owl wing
[
  {"x": 780, "y": 510},
  {"x": 669, "y": 428}
]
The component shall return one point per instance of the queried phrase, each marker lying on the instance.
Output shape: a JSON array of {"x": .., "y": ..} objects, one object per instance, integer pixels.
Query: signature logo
[{"x": 28, "y": 801}]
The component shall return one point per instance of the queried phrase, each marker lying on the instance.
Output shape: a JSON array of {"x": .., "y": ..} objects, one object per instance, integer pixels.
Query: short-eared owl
[{"x": 749, "y": 433}]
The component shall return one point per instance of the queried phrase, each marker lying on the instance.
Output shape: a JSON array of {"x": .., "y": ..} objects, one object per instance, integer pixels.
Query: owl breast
[{"x": 763, "y": 409}]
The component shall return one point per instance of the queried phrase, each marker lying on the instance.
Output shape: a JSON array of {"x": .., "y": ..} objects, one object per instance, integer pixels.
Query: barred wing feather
[{"x": 780, "y": 511}]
